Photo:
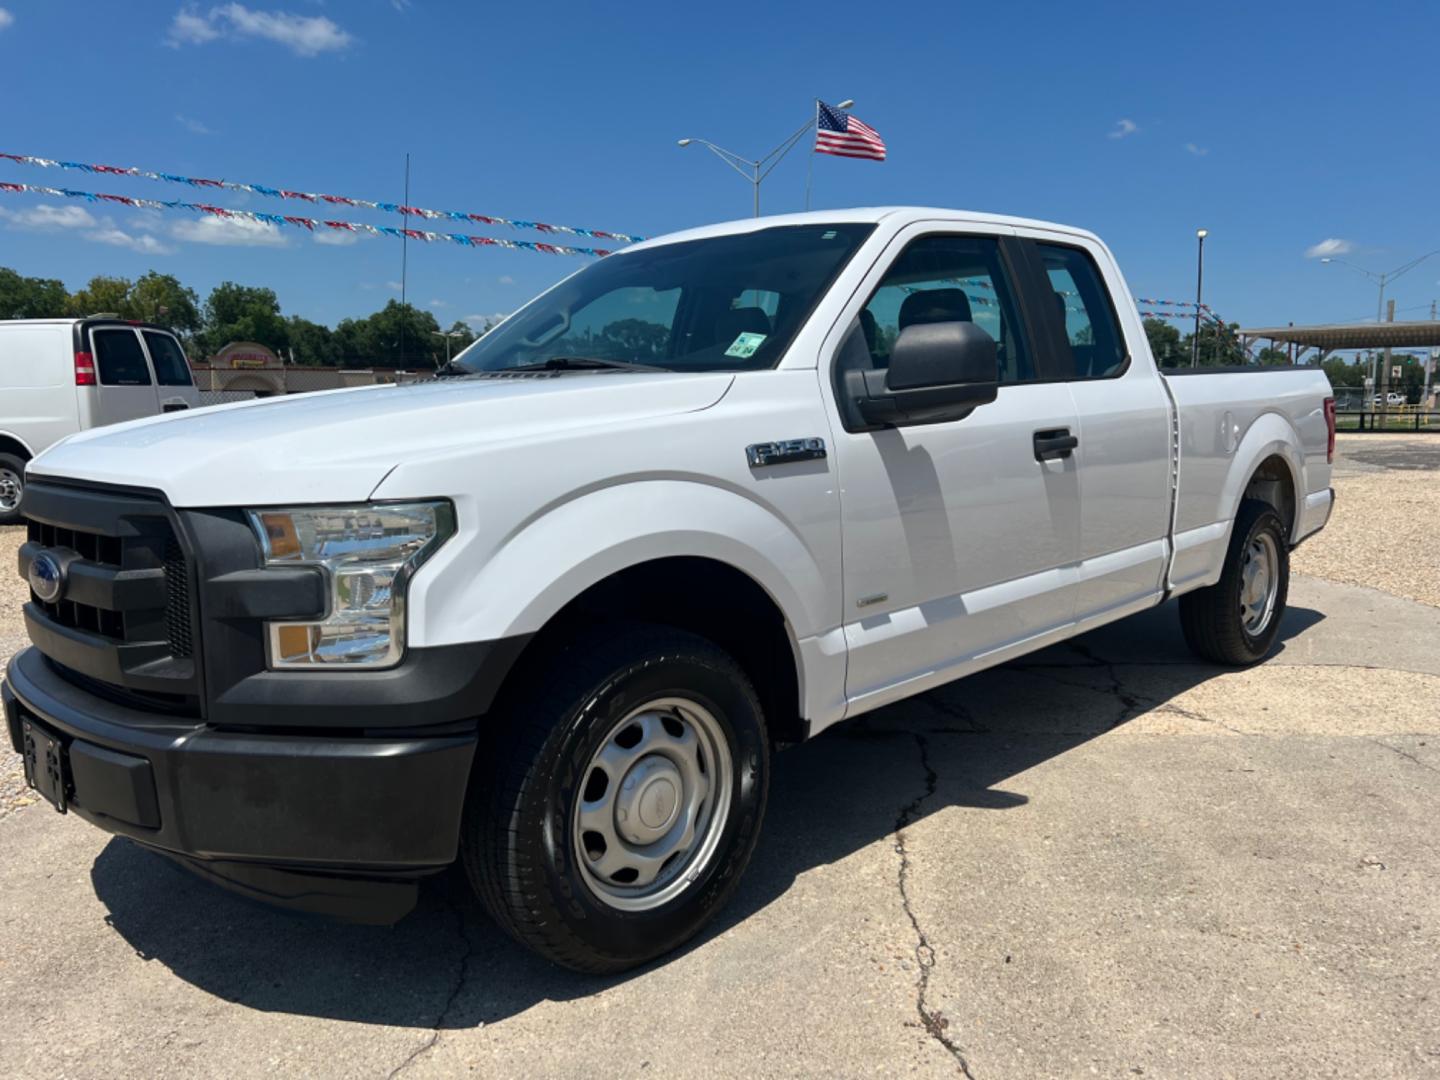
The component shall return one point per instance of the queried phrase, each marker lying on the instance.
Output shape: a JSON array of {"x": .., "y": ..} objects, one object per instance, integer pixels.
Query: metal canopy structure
[{"x": 1329, "y": 337}]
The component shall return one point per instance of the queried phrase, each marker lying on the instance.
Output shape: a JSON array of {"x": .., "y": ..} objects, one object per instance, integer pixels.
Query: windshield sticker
[{"x": 745, "y": 345}]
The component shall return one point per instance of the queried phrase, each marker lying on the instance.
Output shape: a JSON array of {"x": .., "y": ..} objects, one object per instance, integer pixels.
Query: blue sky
[{"x": 1278, "y": 126}]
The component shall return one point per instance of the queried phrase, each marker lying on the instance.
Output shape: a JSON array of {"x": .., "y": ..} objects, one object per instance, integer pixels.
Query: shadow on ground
[{"x": 447, "y": 966}]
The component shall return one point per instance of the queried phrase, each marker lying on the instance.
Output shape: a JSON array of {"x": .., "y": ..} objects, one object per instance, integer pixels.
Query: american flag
[{"x": 843, "y": 135}]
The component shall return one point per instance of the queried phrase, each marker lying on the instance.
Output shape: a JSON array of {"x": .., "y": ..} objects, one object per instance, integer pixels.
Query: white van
[{"x": 60, "y": 376}]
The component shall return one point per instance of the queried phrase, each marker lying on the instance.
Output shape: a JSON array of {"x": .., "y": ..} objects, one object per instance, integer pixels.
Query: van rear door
[
  {"x": 125, "y": 390},
  {"x": 174, "y": 384}
]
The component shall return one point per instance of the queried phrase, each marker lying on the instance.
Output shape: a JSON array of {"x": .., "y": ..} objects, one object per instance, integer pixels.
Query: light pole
[
  {"x": 1200, "y": 235},
  {"x": 1382, "y": 279},
  {"x": 756, "y": 169},
  {"x": 448, "y": 335}
]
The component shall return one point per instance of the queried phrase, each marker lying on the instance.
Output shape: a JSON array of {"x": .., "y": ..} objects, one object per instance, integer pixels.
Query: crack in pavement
[
  {"x": 1404, "y": 753},
  {"x": 930, "y": 1019},
  {"x": 462, "y": 976}
]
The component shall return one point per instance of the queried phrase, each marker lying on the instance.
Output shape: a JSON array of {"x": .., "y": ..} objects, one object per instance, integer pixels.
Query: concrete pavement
[{"x": 1102, "y": 860}]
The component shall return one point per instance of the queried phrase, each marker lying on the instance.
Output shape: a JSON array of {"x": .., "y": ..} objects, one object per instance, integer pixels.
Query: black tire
[
  {"x": 13, "y": 466},
  {"x": 1211, "y": 617},
  {"x": 519, "y": 831}
]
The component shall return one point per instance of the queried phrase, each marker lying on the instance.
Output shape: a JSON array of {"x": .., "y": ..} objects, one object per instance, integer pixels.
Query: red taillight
[
  {"x": 1330, "y": 429},
  {"x": 84, "y": 369}
]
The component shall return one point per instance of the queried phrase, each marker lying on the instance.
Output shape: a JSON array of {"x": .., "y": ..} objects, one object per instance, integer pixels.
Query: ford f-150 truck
[{"x": 702, "y": 499}]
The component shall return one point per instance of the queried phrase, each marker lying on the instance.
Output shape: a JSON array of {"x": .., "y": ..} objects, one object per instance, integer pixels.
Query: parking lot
[{"x": 1106, "y": 859}]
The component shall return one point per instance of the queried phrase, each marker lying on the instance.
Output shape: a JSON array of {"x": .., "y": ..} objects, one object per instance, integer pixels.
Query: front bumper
[{"x": 342, "y": 823}]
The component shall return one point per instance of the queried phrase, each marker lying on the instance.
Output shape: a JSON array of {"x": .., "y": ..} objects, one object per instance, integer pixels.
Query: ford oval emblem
[{"x": 46, "y": 577}]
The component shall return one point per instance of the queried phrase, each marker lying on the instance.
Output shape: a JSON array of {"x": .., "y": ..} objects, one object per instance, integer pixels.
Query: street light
[
  {"x": 755, "y": 170},
  {"x": 1200, "y": 235},
  {"x": 1382, "y": 279},
  {"x": 448, "y": 335}
]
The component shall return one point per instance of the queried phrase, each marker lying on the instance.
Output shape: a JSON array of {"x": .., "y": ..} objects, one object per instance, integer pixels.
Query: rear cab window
[
  {"x": 171, "y": 367},
  {"x": 119, "y": 359},
  {"x": 1079, "y": 296}
]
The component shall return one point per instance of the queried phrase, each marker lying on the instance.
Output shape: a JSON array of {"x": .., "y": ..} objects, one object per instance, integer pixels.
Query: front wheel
[
  {"x": 622, "y": 800},
  {"x": 1236, "y": 620}
]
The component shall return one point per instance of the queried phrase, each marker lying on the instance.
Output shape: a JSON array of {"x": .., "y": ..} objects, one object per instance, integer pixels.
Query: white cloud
[
  {"x": 478, "y": 321},
  {"x": 337, "y": 237},
  {"x": 141, "y": 242},
  {"x": 400, "y": 5},
  {"x": 506, "y": 279},
  {"x": 1124, "y": 128},
  {"x": 190, "y": 124},
  {"x": 191, "y": 29},
  {"x": 1198, "y": 151},
  {"x": 438, "y": 304},
  {"x": 229, "y": 232},
  {"x": 48, "y": 218},
  {"x": 6, "y": 19},
  {"x": 1331, "y": 246},
  {"x": 304, "y": 35},
  {"x": 394, "y": 286}
]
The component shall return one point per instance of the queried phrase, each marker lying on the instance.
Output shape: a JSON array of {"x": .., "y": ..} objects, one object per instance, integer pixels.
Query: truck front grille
[{"x": 124, "y": 621}]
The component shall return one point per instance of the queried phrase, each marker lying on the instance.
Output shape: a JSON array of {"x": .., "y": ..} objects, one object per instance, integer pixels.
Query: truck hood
[{"x": 336, "y": 446}]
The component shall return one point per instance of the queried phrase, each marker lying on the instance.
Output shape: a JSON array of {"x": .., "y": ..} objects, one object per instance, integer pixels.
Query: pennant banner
[
  {"x": 317, "y": 198},
  {"x": 310, "y": 224}
]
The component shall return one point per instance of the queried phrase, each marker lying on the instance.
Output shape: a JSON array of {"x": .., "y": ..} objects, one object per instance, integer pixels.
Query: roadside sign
[
  {"x": 1369, "y": 382},
  {"x": 1394, "y": 371}
]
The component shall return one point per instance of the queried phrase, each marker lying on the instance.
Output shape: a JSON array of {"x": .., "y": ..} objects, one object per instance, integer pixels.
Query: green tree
[
  {"x": 160, "y": 298},
  {"x": 31, "y": 298},
  {"x": 1165, "y": 343},
  {"x": 398, "y": 335},
  {"x": 1272, "y": 355},
  {"x": 242, "y": 313},
  {"x": 312, "y": 343},
  {"x": 104, "y": 295}
]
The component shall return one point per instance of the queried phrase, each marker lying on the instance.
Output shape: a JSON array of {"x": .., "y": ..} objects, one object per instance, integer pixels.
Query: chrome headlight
[{"x": 367, "y": 554}]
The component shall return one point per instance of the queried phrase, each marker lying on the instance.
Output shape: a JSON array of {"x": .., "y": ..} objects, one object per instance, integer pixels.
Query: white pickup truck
[{"x": 704, "y": 498}]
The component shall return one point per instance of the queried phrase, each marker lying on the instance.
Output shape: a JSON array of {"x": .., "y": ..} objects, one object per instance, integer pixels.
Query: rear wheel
[
  {"x": 12, "y": 484},
  {"x": 1236, "y": 620},
  {"x": 622, "y": 797}
]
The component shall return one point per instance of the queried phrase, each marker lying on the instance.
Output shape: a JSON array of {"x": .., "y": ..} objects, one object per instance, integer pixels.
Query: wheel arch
[
  {"x": 13, "y": 444},
  {"x": 1268, "y": 465},
  {"x": 722, "y": 604}
]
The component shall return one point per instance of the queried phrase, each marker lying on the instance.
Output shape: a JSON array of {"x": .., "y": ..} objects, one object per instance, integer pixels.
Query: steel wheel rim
[
  {"x": 10, "y": 485},
  {"x": 652, "y": 804},
  {"x": 1259, "y": 583}
]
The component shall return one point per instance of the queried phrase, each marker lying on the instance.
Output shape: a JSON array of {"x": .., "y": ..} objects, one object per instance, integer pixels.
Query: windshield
[{"x": 726, "y": 303}]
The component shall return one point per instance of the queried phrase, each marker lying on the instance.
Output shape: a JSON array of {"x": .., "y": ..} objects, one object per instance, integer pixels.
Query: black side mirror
[{"x": 938, "y": 372}]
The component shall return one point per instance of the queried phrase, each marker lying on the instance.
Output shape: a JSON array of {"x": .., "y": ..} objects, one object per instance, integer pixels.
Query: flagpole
[{"x": 810, "y": 163}]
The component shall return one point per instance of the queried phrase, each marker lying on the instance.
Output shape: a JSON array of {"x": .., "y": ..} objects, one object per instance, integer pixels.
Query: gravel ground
[{"x": 1385, "y": 531}]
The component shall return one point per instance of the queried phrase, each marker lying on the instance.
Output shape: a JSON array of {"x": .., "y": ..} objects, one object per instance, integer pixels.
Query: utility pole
[
  {"x": 1385, "y": 368},
  {"x": 1200, "y": 235},
  {"x": 1429, "y": 365}
]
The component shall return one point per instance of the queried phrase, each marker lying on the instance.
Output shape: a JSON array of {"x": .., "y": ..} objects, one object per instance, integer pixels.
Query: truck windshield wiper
[{"x": 582, "y": 363}]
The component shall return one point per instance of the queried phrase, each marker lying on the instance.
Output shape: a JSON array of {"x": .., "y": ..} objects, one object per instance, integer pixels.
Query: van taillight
[
  {"x": 84, "y": 369},
  {"x": 1330, "y": 429}
]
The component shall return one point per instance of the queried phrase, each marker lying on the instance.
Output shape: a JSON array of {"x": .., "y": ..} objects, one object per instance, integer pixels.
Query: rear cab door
[
  {"x": 124, "y": 385},
  {"x": 1091, "y": 337}
]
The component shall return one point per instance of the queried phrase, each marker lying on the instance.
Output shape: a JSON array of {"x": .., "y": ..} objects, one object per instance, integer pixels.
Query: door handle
[{"x": 1054, "y": 443}]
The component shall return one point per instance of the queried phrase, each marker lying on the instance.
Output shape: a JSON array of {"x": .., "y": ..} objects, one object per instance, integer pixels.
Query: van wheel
[
  {"x": 12, "y": 483},
  {"x": 1236, "y": 620},
  {"x": 621, "y": 799}
]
